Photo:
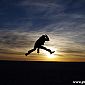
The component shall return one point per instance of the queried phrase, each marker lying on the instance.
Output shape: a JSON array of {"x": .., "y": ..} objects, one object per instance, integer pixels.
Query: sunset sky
[{"x": 22, "y": 22}]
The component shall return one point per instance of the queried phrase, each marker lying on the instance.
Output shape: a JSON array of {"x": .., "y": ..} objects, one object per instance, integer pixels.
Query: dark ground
[{"x": 40, "y": 73}]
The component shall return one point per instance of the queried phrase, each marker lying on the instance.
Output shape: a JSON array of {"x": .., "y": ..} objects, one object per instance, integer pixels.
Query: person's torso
[{"x": 39, "y": 42}]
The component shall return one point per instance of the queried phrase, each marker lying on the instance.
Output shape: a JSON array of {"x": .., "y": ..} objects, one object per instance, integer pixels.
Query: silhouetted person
[{"x": 39, "y": 45}]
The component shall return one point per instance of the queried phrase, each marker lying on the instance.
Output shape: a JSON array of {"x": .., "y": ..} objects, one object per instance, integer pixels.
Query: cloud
[
  {"x": 35, "y": 15},
  {"x": 13, "y": 39},
  {"x": 24, "y": 21},
  {"x": 18, "y": 43}
]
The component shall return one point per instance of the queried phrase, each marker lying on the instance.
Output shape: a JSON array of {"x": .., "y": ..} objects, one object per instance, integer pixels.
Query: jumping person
[{"x": 39, "y": 45}]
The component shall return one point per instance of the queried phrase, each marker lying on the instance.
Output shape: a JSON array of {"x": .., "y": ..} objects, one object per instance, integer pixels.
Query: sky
[{"x": 22, "y": 22}]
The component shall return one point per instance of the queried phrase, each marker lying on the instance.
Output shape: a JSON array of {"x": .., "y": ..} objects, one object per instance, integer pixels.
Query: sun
[{"x": 50, "y": 56}]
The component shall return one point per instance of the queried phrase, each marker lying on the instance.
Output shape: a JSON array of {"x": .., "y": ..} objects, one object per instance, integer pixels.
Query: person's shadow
[{"x": 39, "y": 45}]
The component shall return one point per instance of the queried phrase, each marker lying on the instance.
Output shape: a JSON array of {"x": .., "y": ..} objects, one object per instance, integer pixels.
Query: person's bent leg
[
  {"x": 42, "y": 47},
  {"x": 37, "y": 50}
]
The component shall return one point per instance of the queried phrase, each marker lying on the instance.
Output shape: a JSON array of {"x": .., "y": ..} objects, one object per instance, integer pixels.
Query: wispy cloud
[
  {"x": 22, "y": 22},
  {"x": 23, "y": 41}
]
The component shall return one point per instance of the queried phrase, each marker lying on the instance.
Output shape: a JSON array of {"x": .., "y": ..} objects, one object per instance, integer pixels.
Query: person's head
[{"x": 46, "y": 37}]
